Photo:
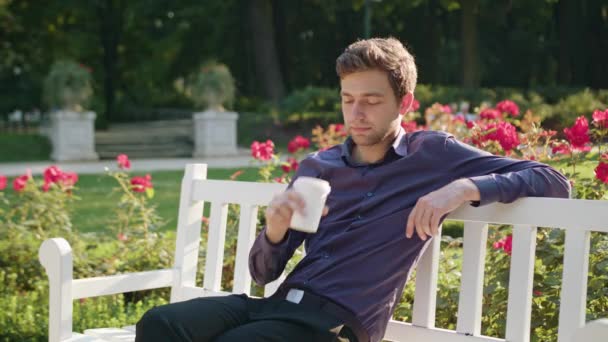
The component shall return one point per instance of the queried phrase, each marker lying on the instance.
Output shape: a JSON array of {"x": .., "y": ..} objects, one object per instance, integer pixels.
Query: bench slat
[
  {"x": 573, "y": 297},
  {"x": 426, "y": 285},
  {"x": 541, "y": 212},
  {"x": 246, "y": 236},
  {"x": 188, "y": 237},
  {"x": 471, "y": 283},
  {"x": 238, "y": 192},
  {"x": 121, "y": 283},
  {"x": 400, "y": 331},
  {"x": 521, "y": 276},
  {"x": 215, "y": 247}
]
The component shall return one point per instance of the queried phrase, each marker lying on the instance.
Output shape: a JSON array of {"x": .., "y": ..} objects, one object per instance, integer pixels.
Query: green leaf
[{"x": 150, "y": 192}]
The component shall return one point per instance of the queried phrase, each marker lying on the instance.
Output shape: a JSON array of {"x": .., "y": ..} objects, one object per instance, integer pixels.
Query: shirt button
[
  {"x": 325, "y": 256},
  {"x": 358, "y": 217},
  {"x": 370, "y": 194}
]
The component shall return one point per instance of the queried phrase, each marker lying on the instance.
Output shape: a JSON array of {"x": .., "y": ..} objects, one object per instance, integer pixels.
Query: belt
[{"x": 311, "y": 300}]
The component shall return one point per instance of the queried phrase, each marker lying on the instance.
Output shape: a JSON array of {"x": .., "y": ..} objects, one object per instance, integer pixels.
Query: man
[{"x": 390, "y": 192}]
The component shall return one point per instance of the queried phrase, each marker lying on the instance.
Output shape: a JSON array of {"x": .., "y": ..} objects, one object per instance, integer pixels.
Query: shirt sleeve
[
  {"x": 502, "y": 179},
  {"x": 267, "y": 260}
]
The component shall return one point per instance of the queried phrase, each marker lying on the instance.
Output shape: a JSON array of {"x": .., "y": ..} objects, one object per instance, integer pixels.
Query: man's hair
[{"x": 385, "y": 54}]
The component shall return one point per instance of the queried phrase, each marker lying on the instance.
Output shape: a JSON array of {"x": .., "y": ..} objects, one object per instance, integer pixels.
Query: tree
[{"x": 267, "y": 63}]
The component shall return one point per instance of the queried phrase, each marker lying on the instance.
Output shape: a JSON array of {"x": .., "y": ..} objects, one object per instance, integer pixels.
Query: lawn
[{"x": 23, "y": 147}]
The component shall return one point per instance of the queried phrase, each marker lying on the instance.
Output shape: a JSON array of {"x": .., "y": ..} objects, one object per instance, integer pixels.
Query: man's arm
[
  {"x": 276, "y": 244},
  {"x": 482, "y": 178}
]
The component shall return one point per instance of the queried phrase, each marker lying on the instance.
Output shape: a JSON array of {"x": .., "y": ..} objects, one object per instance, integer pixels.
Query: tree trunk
[
  {"x": 110, "y": 25},
  {"x": 267, "y": 65},
  {"x": 470, "y": 64}
]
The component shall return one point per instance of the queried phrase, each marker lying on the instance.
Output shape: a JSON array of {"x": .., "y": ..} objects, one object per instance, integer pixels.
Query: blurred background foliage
[{"x": 540, "y": 52}]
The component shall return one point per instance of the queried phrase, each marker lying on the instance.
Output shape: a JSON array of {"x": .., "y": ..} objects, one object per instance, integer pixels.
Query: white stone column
[
  {"x": 214, "y": 133},
  {"x": 72, "y": 135}
]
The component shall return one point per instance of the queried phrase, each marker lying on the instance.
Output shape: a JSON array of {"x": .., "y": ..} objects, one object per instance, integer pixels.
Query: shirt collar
[{"x": 399, "y": 146}]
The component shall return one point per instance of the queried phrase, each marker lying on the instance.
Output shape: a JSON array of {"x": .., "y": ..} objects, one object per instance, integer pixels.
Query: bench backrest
[{"x": 577, "y": 217}]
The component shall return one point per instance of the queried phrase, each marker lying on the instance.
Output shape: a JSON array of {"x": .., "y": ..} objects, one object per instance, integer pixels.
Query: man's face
[{"x": 369, "y": 107}]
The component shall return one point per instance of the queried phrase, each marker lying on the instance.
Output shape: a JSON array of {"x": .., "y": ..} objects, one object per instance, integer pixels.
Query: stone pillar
[
  {"x": 214, "y": 133},
  {"x": 72, "y": 135}
]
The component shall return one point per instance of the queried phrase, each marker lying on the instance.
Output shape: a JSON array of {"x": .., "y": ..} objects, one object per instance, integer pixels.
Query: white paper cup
[{"x": 314, "y": 192}]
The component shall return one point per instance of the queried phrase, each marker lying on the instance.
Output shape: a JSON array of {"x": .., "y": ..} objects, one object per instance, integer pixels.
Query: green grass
[
  {"x": 95, "y": 209},
  {"x": 23, "y": 147}
]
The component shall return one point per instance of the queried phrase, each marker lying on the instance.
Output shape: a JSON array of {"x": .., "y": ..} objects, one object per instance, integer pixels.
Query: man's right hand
[{"x": 279, "y": 213}]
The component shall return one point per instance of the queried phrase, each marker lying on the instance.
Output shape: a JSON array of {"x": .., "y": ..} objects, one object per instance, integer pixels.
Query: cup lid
[{"x": 318, "y": 183}]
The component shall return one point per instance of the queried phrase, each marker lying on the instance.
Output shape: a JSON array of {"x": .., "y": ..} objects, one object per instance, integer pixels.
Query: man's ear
[{"x": 406, "y": 103}]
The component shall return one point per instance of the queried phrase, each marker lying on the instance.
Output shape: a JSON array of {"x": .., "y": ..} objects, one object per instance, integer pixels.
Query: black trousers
[{"x": 240, "y": 318}]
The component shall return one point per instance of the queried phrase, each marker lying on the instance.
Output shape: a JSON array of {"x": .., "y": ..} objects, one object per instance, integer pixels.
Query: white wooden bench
[{"x": 577, "y": 217}]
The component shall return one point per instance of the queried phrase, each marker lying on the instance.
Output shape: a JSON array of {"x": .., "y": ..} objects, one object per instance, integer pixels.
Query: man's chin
[{"x": 363, "y": 140}]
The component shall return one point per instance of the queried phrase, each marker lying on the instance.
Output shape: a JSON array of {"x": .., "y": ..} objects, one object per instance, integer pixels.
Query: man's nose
[{"x": 357, "y": 111}]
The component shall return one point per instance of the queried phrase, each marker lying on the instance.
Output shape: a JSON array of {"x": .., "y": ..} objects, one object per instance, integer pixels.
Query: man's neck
[{"x": 373, "y": 153}]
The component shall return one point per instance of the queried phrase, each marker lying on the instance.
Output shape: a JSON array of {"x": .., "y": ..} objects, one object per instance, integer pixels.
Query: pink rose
[
  {"x": 123, "y": 161},
  {"x": 20, "y": 182},
  {"x": 140, "y": 184},
  {"x": 299, "y": 142},
  {"x": 600, "y": 118},
  {"x": 3, "y": 181},
  {"x": 292, "y": 165},
  {"x": 262, "y": 151},
  {"x": 504, "y": 133},
  {"x": 52, "y": 174},
  {"x": 578, "y": 134},
  {"x": 601, "y": 172},
  {"x": 508, "y": 106},
  {"x": 490, "y": 114}
]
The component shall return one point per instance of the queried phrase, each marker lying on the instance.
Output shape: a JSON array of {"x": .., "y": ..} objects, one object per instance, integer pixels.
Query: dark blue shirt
[{"x": 360, "y": 256}]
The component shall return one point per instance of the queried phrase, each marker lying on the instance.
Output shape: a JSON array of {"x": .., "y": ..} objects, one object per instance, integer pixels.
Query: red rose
[
  {"x": 414, "y": 107},
  {"x": 3, "y": 181},
  {"x": 600, "y": 118},
  {"x": 601, "y": 172},
  {"x": 140, "y": 184},
  {"x": 508, "y": 245},
  {"x": 563, "y": 148},
  {"x": 490, "y": 114},
  {"x": 578, "y": 134},
  {"x": 68, "y": 179},
  {"x": 123, "y": 161},
  {"x": 508, "y": 106},
  {"x": 262, "y": 151},
  {"x": 504, "y": 133},
  {"x": 299, "y": 142},
  {"x": 20, "y": 182},
  {"x": 52, "y": 174},
  {"x": 291, "y": 165},
  {"x": 446, "y": 109}
]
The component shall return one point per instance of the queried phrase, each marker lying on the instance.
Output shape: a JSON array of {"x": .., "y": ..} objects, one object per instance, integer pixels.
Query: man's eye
[
  {"x": 373, "y": 102},
  {"x": 347, "y": 100}
]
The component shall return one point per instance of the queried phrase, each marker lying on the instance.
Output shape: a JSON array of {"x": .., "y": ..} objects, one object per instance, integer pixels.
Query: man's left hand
[{"x": 430, "y": 208}]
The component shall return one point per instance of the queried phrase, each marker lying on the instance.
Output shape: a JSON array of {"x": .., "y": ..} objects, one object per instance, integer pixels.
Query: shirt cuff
[
  {"x": 271, "y": 247},
  {"x": 488, "y": 190}
]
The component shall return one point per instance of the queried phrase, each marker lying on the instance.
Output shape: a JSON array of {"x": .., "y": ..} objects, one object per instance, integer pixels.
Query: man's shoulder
[
  {"x": 430, "y": 135},
  {"x": 427, "y": 139}
]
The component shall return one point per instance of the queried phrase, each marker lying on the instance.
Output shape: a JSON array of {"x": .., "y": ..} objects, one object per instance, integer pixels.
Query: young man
[{"x": 390, "y": 192}]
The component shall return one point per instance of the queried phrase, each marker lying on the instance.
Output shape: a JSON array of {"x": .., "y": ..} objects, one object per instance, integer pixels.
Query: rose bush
[{"x": 40, "y": 208}]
